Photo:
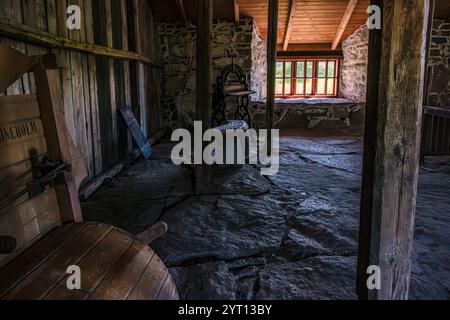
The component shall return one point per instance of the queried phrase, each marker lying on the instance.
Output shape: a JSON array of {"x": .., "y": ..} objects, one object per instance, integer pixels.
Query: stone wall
[
  {"x": 439, "y": 64},
  {"x": 178, "y": 56},
  {"x": 353, "y": 84},
  {"x": 259, "y": 66}
]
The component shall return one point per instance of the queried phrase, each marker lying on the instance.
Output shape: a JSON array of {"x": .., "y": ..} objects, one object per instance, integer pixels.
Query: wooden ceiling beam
[
  {"x": 237, "y": 14},
  {"x": 344, "y": 22},
  {"x": 293, "y": 6}
]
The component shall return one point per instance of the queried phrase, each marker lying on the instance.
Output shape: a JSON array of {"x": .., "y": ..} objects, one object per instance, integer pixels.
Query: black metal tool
[{"x": 54, "y": 174}]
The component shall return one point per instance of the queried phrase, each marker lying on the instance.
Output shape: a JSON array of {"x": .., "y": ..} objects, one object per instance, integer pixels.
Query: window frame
[{"x": 293, "y": 77}]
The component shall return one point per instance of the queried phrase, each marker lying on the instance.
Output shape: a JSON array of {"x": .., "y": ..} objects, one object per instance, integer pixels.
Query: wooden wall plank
[
  {"x": 80, "y": 137},
  {"x": 103, "y": 85},
  {"x": 112, "y": 80},
  {"x": 94, "y": 115},
  {"x": 10, "y": 9},
  {"x": 119, "y": 75},
  {"x": 64, "y": 62},
  {"x": 30, "y": 17},
  {"x": 127, "y": 65},
  {"x": 52, "y": 19}
]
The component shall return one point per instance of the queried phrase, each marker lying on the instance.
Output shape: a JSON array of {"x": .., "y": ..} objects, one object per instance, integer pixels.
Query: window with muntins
[{"x": 312, "y": 77}]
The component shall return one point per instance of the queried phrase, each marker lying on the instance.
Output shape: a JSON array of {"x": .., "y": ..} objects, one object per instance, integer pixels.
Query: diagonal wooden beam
[
  {"x": 182, "y": 11},
  {"x": 18, "y": 31},
  {"x": 344, "y": 22},
  {"x": 287, "y": 36},
  {"x": 237, "y": 14}
]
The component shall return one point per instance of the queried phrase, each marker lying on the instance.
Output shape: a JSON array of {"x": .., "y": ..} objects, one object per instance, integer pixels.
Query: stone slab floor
[{"x": 289, "y": 236}]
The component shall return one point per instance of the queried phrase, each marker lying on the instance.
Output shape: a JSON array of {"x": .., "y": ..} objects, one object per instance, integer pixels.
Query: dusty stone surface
[
  {"x": 289, "y": 236},
  {"x": 316, "y": 278}
]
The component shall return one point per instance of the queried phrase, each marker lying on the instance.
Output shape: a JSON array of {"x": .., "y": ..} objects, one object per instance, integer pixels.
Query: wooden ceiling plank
[
  {"x": 237, "y": 14},
  {"x": 344, "y": 22},
  {"x": 287, "y": 36}
]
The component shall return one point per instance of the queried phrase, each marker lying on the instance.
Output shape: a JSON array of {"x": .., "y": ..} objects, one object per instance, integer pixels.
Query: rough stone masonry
[
  {"x": 177, "y": 46},
  {"x": 439, "y": 65},
  {"x": 354, "y": 65}
]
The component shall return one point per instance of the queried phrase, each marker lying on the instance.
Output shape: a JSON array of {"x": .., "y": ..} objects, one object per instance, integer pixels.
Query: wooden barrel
[{"x": 113, "y": 265}]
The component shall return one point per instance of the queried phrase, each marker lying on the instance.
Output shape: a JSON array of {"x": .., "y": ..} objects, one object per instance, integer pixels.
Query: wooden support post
[
  {"x": 237, "y": 13},
  {"x": 392, "y": 139},
  {"x": 204, "y": 63},
  {"x": 56, "y": 135},
  {"x": 204, "y": 84},
  {"x": 271, "y": 61}
]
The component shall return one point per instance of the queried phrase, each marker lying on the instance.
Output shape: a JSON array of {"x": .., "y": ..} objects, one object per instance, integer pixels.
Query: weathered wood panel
[{"x": 94, "y": 88}]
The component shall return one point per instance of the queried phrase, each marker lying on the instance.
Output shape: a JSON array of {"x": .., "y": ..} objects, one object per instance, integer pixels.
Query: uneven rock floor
[{"x": 289, "y": 236}]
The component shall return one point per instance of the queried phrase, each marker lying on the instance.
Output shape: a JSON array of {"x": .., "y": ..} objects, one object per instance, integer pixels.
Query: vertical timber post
[
  {"x": 395, "y": 97},
  {"x": 271, "y": 61},
  {"x": 370, "y": 136},
  {"x": 204, "y": 84},
  {"x": 271, "y": 66}
]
